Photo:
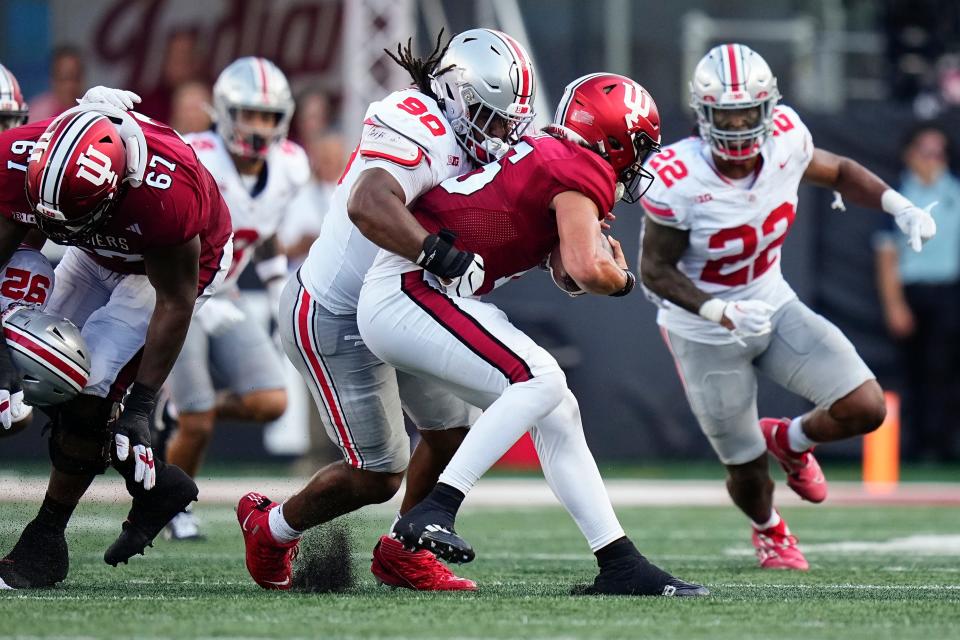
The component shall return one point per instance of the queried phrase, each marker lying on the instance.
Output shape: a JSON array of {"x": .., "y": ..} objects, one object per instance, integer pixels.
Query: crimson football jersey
[
  {"x": 178, "y": 200},
  {"x": 502, "y": 211}
]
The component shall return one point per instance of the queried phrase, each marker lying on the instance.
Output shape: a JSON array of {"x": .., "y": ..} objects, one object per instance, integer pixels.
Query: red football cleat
[
  {"x": 268, "y": 561},
  {"x": 804, "y": 475},
  {"x": 777, "y": 548},
  {"x": 419, "y": 570}
]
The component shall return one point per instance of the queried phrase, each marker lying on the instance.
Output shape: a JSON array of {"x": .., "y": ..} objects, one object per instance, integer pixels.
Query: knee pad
[{"x": 80, "y": 435}]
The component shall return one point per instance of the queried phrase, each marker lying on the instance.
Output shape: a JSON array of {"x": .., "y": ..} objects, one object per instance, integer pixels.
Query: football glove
[
  {"x": 12, "y": 408},
  {"x": 917, "y": 224},
  {"x": 467, "y": 284},
  {"x": 132, "y": 429},
  {"x": 444, "y": 260},
  {"x": 748, "y": 317},
  {"x": 119, "y": 98}
]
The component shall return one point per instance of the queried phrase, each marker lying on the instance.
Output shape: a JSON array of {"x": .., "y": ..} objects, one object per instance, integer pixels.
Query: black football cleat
[
  {"x": 150, "y": 513},
  {"x": 637, "y": 576},
  {"x": 38, "y": 560},
  {"x": 426, "y": 527}
]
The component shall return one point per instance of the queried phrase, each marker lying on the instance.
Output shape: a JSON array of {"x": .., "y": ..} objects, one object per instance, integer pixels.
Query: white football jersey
[
  {"x": 407, "y": 135},
  {"x": 736, "y": 230},
  {"x": 27, "y": 277},
  {"x": 255, "y": 218}
]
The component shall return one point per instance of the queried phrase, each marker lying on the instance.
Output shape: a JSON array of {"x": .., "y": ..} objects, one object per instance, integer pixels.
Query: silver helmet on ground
[{"x": 49, "y": 353}]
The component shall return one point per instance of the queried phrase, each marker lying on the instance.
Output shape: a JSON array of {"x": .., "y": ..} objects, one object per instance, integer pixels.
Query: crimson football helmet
[
  {"x": 13, "y": 109},
  {"x": 75, "y": 174},
  {"x": 616, "y": 117}
]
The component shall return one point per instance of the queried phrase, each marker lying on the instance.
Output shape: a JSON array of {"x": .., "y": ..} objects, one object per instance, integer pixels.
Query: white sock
[
  {"x": 799, "y": 442},
  {"x": 772, "y": 522},
  {"x": 572, "y": 473},
  {"x": 281, "y": 531}
]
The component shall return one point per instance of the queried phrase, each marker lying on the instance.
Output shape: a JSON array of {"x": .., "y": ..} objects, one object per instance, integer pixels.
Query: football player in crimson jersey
[
  {"x": 715, "y": 222},
  {"x": 606, "y": 126},
  {"x": 148, "y": 234},
  {"x": 259, "y": 172},
  {"x": 469, "y": 101}
]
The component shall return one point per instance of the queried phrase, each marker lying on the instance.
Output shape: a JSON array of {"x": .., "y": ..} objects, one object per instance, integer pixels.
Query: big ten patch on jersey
[
  {"x": 27, "y": 277},
  {"x": 495, "y": 212}
]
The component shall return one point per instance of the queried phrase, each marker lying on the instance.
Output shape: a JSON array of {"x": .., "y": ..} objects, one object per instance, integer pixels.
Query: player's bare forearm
[
  {"x": 377, "y": 207},
  {"x": 662, "y": 249},
  {"x": 174, "y": 273},
  {"x": 11, "y": 235},
  {"x": 578, "y": 227},
  {"x": 852, "y": 180},
  {"x": 269, "y": 248}
]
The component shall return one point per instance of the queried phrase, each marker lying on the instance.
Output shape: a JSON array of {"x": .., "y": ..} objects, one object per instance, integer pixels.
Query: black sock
[
  {"x": 54, "y": 514},
  {"x": 616, "y": 550},
  {"x": 446, "y": 497}
]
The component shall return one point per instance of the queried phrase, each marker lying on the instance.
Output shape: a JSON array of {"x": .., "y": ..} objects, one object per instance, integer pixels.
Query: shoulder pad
[{"x": 380, "y": 142}]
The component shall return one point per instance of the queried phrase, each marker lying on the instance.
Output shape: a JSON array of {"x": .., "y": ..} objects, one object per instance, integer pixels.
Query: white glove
[
  {"x": 749, "y": 317},
  {"x": 12, "y": 408},
  {"x": 217, "y": 315},
  {"x": 119, "y": 98},
  {"x": 917, "y": 224},
  {"x": 467, "y": 284}
]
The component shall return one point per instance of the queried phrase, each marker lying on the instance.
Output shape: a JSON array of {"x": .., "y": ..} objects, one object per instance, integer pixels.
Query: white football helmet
[
  {"x": 254, "y": 84},
  {"x": 734, "y": 76},
  {"x": 13, "y": 108},
  {"x": 49, "y": 353},
  {"x": 490, "y": 69}
]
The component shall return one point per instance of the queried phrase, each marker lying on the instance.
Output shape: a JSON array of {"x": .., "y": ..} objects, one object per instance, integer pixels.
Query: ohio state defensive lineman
[
  {"x": 148, "y": 234},
  {"x": 470, "y": 99},
  {"x": 606, "y": 126},
  {"x": 258, "y": 171},
  {"x": 715, "y": 222}
]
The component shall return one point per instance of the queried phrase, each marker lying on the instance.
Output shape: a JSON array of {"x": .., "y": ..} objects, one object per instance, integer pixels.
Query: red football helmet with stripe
[
  {"x": 486, "y": 78},
  {"x": 616, "y": 117},
  {"x": 75, "y": 174},
  {"x": 13, "y": 108},
  {"x": 49, "y": 353},
  {"x": 734, "y": 77}
]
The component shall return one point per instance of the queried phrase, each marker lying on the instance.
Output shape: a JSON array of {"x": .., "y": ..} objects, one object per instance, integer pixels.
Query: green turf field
[{"x": 898, "y": 577}]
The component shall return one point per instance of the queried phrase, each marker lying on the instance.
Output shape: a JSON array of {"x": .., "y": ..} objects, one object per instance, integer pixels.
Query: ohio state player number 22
[{"x": 775, "y": 226}]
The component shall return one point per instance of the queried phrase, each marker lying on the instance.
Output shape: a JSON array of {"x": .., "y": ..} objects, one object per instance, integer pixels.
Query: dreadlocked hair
[{"x": 420, "y": 69}]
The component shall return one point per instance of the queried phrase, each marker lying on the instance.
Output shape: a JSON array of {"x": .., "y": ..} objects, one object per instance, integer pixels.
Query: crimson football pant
[{"x": 470, "y": 347}]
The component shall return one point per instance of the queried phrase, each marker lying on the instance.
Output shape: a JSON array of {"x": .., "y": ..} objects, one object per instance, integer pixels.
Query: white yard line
[{"x": 513, "y": 492}]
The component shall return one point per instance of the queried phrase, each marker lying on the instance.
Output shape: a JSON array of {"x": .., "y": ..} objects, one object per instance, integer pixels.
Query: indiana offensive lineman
[
  {"x": 470, "y": 99},
  {"x": 258, "y": 171},
  {"x": 606, "y": 126},
  {"x": 148, "y": 235},
  {"x": 711, "y": 249}
]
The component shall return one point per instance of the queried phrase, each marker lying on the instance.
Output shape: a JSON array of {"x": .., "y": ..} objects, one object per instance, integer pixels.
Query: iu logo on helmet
[
  {"x": 635, "y": 99},
  {"x": 95, "y": 166}
]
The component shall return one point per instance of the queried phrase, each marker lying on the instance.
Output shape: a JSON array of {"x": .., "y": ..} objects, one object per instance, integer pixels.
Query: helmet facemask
[
  {"x": 10, "y": 120},
  {"x": 741, "y": 143},
  {"x": 478, "y": 117},
  {"x": 251, "y": 141},
  {"x": 635, "y": 179},
  {"x": 60, "y": 230}
]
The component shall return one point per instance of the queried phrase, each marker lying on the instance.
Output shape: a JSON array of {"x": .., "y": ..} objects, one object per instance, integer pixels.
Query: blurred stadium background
[{"x": 860, "y": 72}]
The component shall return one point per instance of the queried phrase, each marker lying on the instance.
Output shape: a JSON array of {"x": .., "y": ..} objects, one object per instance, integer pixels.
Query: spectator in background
[
  {"x": 67, "y": 83},
  {"x": 312, "y": 117},
  {"x": 190, "y": 108},
  {"x": 305, "y": 213},
  {"x": 180, "y": 66},
  {"x": 920, "y": 293}
]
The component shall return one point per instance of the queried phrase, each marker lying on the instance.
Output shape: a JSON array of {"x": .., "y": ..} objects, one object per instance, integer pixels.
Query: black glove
[
  {"x": 441, "y": 258},
  {"x": 133, "y": 428}
]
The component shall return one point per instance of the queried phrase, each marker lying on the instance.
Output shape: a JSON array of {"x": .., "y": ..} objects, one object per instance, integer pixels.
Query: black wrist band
[
  {"x": 627, "y": 288},
  {"x": 141, "y": 398}
]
